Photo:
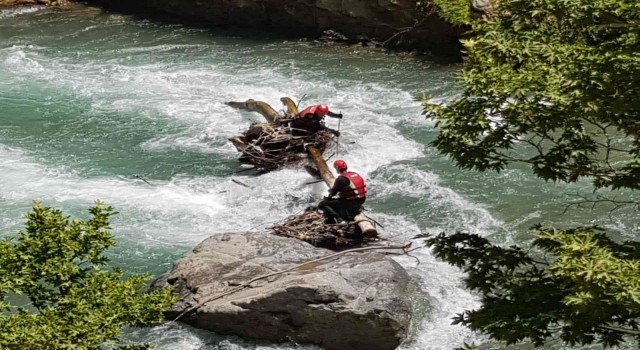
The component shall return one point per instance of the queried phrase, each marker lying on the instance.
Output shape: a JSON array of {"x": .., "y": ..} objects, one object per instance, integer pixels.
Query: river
[{"x": 94, "y": 102}]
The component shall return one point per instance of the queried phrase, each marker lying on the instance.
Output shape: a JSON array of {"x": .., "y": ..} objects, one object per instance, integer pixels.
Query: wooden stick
[
  {"x": 143, "y": 179},
  {"x": 292, "y": 109},
  {"x": 304, "y": 266},
  {"x": 242, "y": 183}
]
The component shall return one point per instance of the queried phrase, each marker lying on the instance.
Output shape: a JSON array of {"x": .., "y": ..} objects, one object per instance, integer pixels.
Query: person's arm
[
  {"x": 333, "y": 131},
  {"x": 340, "y": 183},
  {"x": 334, "y": 115}
]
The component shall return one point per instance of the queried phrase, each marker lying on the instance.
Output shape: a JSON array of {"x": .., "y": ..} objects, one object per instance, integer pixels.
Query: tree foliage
[
  {"x": 75, "y": 300},
  {"x": 553, "y": 84},
  {"x": 589, "y": 292},
  {"x": 454, "y": 11}
]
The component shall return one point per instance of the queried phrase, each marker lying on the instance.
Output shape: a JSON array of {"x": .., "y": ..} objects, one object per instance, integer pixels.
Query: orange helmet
[
  {"x": 340, "y": 165},
  {"x": 321, "y": 110}
]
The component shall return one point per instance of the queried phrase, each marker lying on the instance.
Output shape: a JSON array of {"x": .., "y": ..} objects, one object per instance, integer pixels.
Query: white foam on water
[
  {"x": 25, "y": 179},
  {"x": 445, "y": 209},
  {"x": 442, "y": 292},
  {"x": 19, "y": 11},
  {"x": 193, "y": 207},
  {"x": 174, "y": 336},
  {"x": 157, "y": 48},
  {"x": 23, "y": 57}
]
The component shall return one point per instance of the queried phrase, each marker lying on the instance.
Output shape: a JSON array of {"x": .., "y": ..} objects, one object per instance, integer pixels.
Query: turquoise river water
[{"x": 91, "y": 101}]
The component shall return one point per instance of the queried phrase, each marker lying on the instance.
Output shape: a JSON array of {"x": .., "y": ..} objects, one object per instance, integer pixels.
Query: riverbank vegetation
[
  {"x": 454, "y": 11},
  {"x": 554, "y": 85},
  {"x": 57, "y": 291}
]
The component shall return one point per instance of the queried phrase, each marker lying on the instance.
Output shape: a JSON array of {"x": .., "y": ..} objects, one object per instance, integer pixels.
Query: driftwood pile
[
  {"x": 270, "y": 145},
  {"x": 310, "y": 227}
]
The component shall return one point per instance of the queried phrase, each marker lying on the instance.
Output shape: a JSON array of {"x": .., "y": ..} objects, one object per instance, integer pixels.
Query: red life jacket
[
  {"x": 310, "y": 110},
  {"x": 357, "y": 187}
]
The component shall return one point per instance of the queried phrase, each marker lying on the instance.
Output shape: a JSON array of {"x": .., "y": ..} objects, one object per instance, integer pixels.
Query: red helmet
[
  {"x": 321, "y": 110},
  {"x": 340, "y": 165}
]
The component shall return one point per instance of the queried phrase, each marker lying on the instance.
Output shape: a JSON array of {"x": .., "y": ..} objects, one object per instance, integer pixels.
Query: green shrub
[{"x": 76, "y": 301}]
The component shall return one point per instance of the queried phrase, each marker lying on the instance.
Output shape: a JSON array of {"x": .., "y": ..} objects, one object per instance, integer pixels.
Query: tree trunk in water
[
  {"x": 364, "y": 224},
  {"x": 322, "y": 166},
  {"x": 270, "y": 114}
]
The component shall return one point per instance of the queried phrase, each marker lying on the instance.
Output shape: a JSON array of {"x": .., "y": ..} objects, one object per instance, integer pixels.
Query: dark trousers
[{"x": 336, "y": 209}]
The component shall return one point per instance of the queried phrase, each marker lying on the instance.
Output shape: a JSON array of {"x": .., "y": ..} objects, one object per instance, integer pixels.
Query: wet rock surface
[{"x": 357, "y": 300}]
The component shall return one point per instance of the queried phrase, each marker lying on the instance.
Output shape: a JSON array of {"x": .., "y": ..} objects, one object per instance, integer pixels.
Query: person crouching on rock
[
  {"x": 351, "y": 191},
  {"x": 311, "y": 120}
]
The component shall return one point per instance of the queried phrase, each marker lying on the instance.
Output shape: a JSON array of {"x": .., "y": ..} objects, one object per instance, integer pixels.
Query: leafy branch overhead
[
  {"x": 589, "y": 292},
  {"x": 454, "y": 11},
  {"x": 76, "y": 302},
  {"x": 553, "y": 84}
]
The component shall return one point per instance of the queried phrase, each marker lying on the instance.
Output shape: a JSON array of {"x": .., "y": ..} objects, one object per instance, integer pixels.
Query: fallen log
[
  {"x": 270, "y": 114},
  {"x": 365, "y": 225},
  {"x": 321, "y": 166}
]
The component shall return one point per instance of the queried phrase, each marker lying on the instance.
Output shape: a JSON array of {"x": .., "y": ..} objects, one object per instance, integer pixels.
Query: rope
[
  {"x": 338, "y": 139},
  {"x": 304, "y": 266},
  {"x": 300, "y": 100},
  {"x": 375, "y": 222}
]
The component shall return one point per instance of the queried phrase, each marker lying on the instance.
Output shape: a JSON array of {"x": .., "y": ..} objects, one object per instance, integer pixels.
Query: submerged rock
[{"x": 357, "y": 300}]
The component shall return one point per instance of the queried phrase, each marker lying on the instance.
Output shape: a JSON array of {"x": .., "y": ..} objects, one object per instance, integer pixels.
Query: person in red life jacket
[
  {"x": 351, "y": 191},
  {"x": 311, "y": 120}
]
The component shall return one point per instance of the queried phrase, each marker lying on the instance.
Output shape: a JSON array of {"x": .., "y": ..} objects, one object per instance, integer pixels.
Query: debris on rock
[{"x": 310, "y": 227}]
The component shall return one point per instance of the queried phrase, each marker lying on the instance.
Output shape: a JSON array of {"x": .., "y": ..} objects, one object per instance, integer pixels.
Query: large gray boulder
[{"x": 353, "y": 301}]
